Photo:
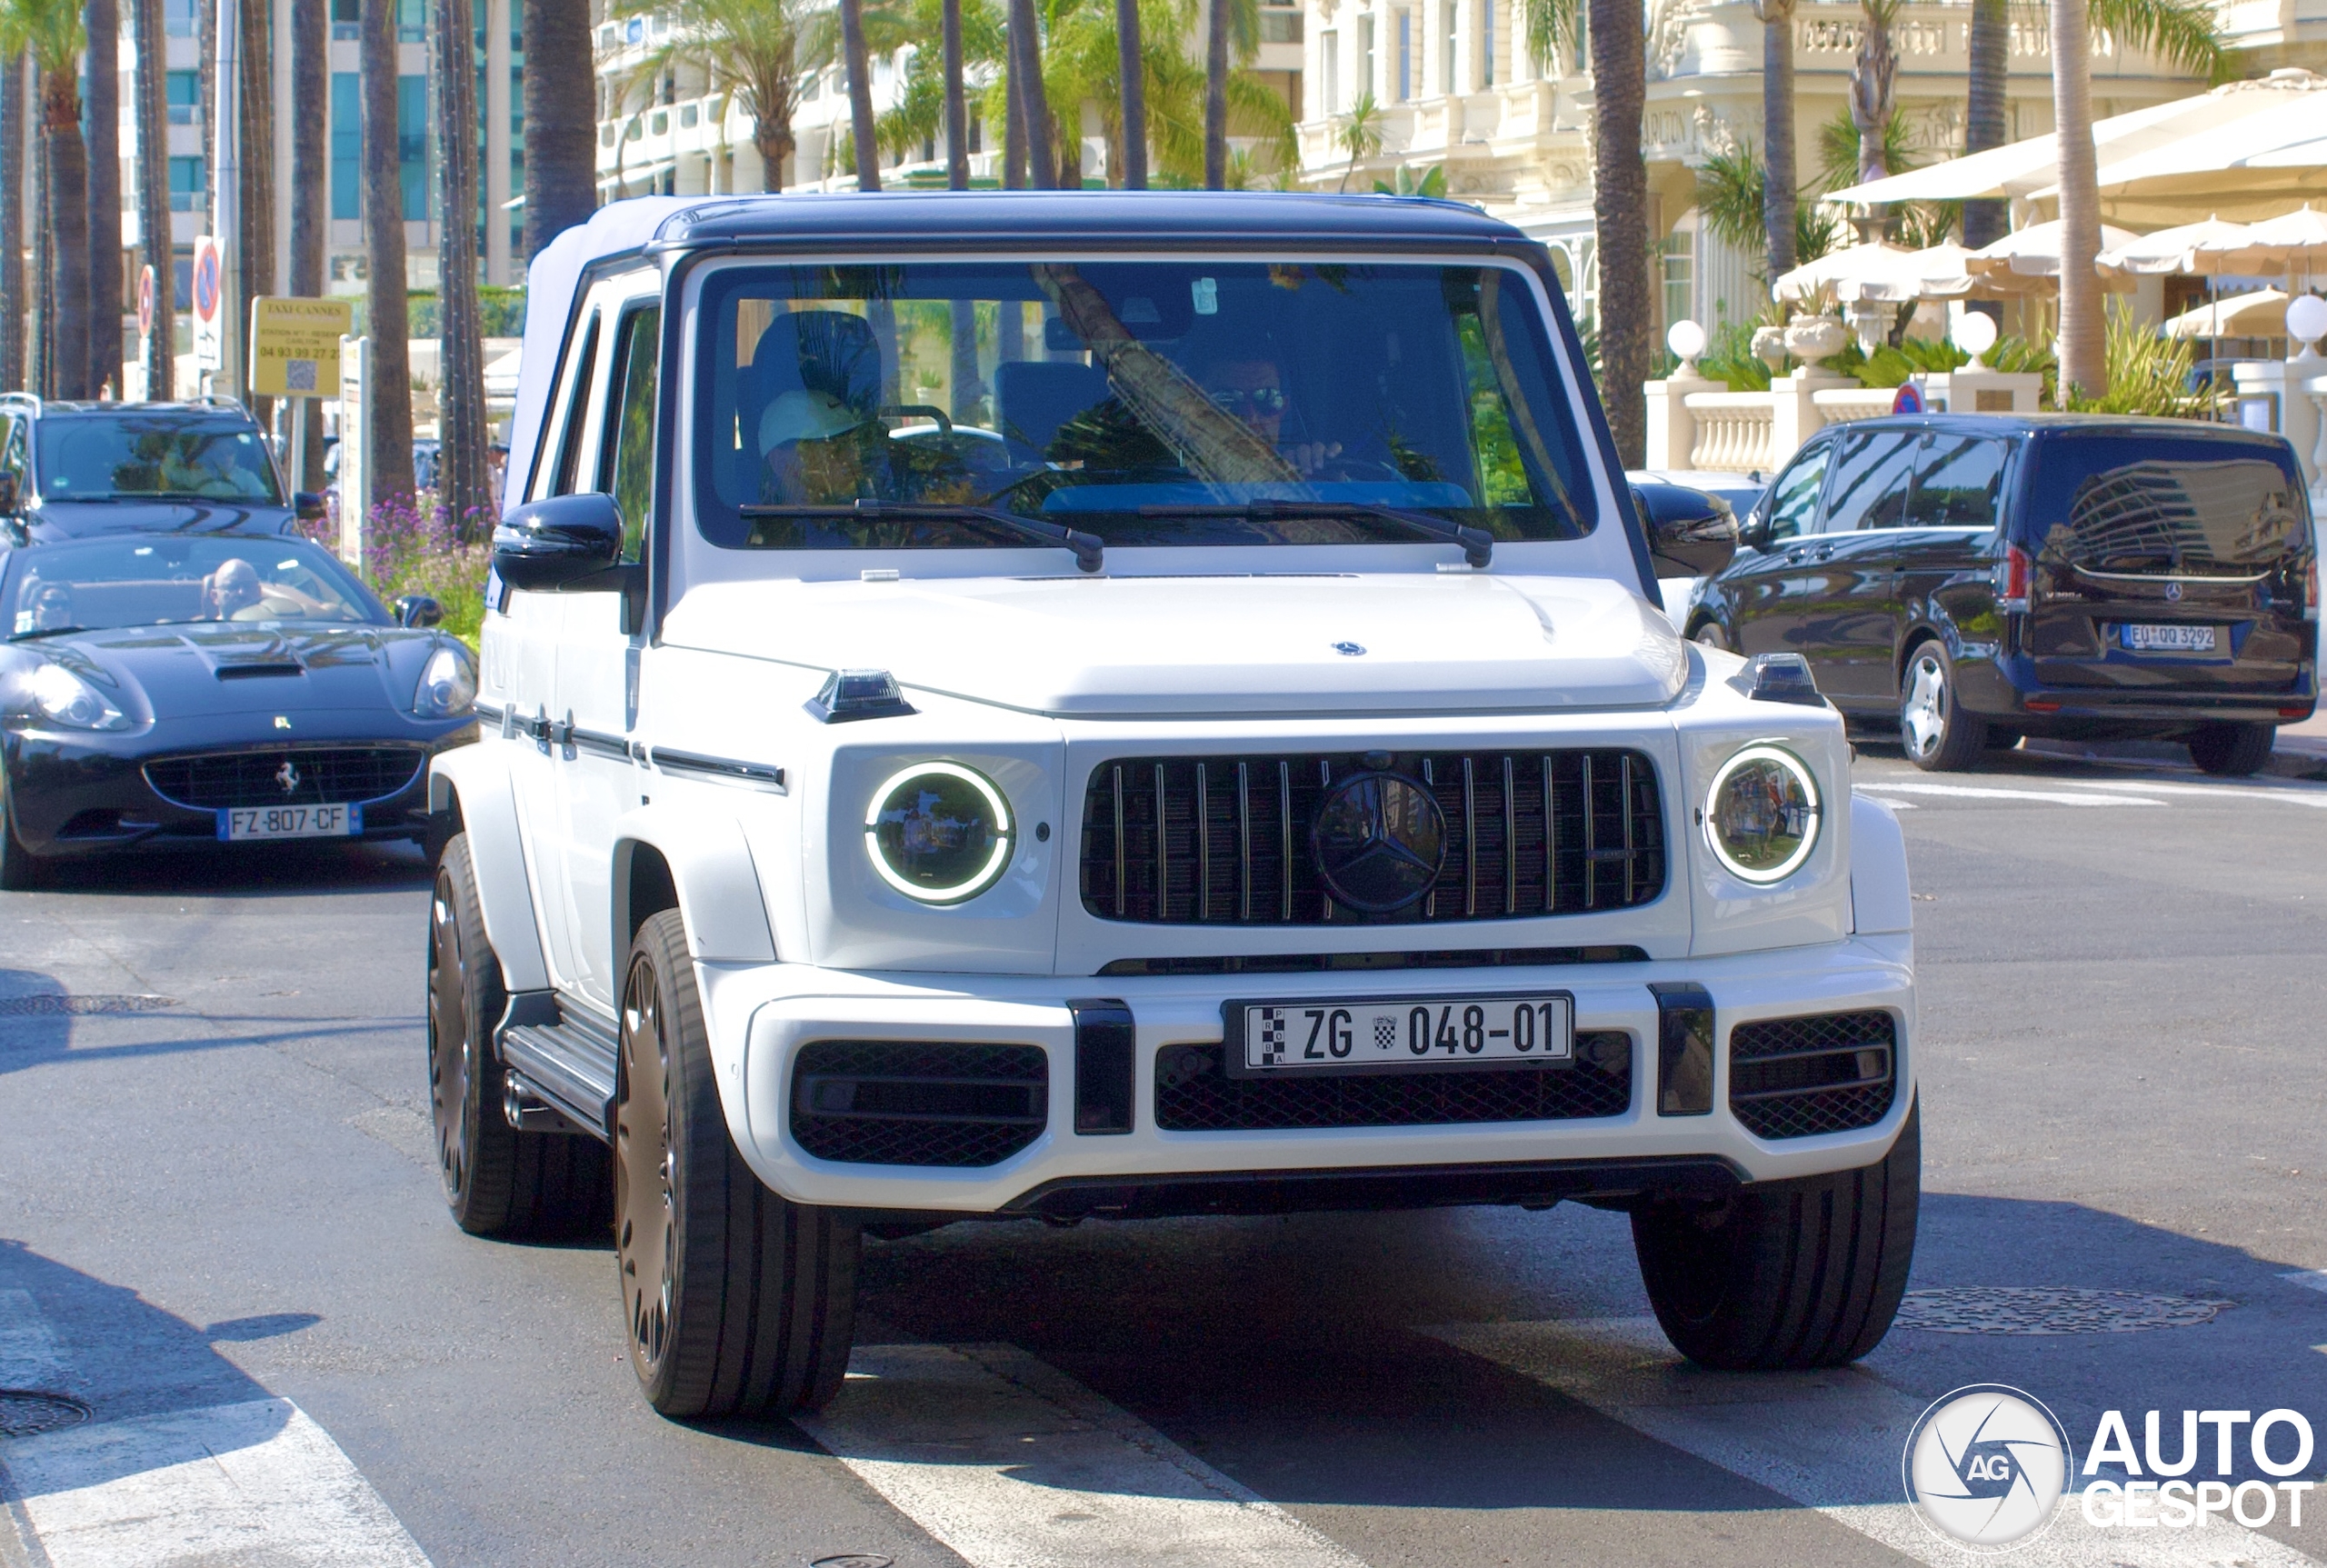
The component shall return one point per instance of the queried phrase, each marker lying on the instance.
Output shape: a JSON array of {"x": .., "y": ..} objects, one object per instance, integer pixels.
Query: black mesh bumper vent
[
  {"x": 1797, "y": 1077},
  {"x": 331, "y": 776},
  {"x": 914, "y": 1102},
  {"x": 1193, "y": 1094},
  {"x": 1185, "y": 841}
]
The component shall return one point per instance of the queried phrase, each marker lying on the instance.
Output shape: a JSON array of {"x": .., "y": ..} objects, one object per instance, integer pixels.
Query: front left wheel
[
  {"x": 1786, "y": 1275},
  {"x": 20, "y": 872},
  {"x": 737, "y": 1302},
  {"x": 1934, "y": 731}
]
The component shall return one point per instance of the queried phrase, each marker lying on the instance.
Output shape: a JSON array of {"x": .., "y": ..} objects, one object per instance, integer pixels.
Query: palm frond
[{"x": 2178, "y": 32}]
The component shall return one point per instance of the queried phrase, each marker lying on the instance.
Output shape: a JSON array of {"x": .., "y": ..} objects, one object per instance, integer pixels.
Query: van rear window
[{"x": 2151, "y": 504}]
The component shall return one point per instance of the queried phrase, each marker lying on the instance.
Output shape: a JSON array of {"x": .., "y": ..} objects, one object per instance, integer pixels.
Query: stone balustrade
[
  {"x": 1732, "y": 433},
  {"x": 1697, "y": 424}
]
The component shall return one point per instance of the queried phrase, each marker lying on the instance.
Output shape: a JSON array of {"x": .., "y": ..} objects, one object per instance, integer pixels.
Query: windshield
[
  {"x": 1148, "y": 403},
  {"x": 2162, "y": 504},
  {"x": 95, "y": 456},
  {"x": 102, "y": 583}
]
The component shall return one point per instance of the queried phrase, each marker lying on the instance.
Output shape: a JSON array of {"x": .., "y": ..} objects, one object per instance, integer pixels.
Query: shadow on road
[{"x": 242, "y": 872}]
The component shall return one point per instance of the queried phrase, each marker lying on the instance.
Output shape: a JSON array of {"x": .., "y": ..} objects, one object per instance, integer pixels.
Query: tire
[
  {"x": 20, "y": 870},
  {"x": 1935, "y": 732},
  {"x": 736, "y": 1302},
  {"x": 1786, "y": 1275},
  {"x": 2233, "y": 751},
  {"x": 498, "y": 1181},
  {"x": 1709, "y": 636}
]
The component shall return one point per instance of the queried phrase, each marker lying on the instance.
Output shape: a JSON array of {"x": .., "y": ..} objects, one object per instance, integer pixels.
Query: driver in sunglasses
[{"x": 1254, "y": 391}]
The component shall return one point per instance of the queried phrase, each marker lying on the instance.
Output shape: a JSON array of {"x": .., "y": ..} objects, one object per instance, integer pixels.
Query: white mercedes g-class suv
[{"x": 1112, "y": 705}]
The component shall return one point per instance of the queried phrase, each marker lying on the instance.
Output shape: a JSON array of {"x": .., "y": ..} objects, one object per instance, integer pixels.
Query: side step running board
[{"x": 564, "y": 1055}]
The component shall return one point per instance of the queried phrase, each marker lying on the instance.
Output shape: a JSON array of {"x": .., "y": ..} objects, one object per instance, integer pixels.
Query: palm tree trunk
[
  {"x": 40, "y": 325},
  {"x": 1620, "y": 213},
  {"x": 772, "y": 138},
  {"x": 561, "y": 125},
  {"x": 1026, "y": 80},
  {"x": 1984, "y": 111},
  {"x": 154, "y": 224},
  {"x": 310, "y": 194},
  {"x": 1014, "y": 144},
  {"x": 13, "y": 127},
  {"x": 1131, "y": 66},
  {"x": 1780, "y": 198},
  {"x": 389, "y": 325},
  {"x": 2085, "y": 366},
  {"x": 206, "y": 48},
  {"x": 1872, "y": 75},
  {"x": 860, "y": 95},
  {"x": 65, "y": 214},
  {"x": 1215, "y": 94},
  {"x": 257, "y": 153},
  {"x": 461, "y": 483},
  {"x": 957, "y": 107},
  {"x": 101, "y": 21}
]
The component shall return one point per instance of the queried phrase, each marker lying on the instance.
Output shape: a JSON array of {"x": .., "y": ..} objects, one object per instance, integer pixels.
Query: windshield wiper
[
  {"x": 1089, "y": 549},
  {"x": 47, "y": 632},
  {"x": 1478, "y": 544}
]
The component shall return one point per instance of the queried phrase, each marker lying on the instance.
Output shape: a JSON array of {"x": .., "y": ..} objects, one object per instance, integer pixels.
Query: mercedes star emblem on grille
[
  {"x": 287, "y": 775},
  {"x": 1380, "y": 840}
]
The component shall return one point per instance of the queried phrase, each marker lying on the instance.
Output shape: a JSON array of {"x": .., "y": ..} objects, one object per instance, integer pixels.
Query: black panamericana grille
[
  {"x": 315, "y": 777},
  {"x": 1797, "y": 1077},
  {"x": 918, "y": 1103},
  {"x": 1194, "y": 1094},
  {"x": 1225, "y": 840}
]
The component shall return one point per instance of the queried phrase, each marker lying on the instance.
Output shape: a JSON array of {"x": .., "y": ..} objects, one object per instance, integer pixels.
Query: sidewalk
[{"x": 2302, "y": 751}]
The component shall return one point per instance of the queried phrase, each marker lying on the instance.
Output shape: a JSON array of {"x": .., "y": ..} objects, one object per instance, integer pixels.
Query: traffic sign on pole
[{"x": 209, "y": 312}]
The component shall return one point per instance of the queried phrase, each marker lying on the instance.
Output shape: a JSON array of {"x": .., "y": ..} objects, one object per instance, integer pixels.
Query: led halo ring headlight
[
  {"x": 939, "y": 833},
  {"x": 1762, "y": 814}
]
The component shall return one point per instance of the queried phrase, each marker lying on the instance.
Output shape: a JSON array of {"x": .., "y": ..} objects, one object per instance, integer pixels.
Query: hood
[
  {"x": 87, "y": 519},
  {"x": 1124, "y": 646},
  {"x": 190, "y": 670}
]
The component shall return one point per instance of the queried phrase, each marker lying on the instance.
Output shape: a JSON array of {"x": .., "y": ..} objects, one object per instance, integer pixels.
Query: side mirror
[
  {"x": 562, "y": 545},
  {"x": 307, "y": 505},
  {"x": 8, "y": 496},
  {"x": 419, "y": 610},
  {"x": 1690, "y": 533}
]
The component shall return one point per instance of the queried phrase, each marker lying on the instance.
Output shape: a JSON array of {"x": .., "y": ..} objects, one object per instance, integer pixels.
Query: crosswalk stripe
[
  {"x": 1013, "y": 1464},
  {"x": 2313, "y": 796},
  {"x": 1830, "y": 1441},
  {"x": 1976, "y": 792}
]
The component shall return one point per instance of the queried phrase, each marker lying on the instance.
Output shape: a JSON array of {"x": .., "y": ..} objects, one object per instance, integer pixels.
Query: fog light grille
[
  {"x": 918, "y": 1103},
  {"x": 1798, "y": 1078},
  {"x": 1194, "y": 1094}
]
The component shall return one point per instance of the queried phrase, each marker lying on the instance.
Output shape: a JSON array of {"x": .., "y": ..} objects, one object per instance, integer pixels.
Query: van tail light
[
  {"x": 2014, "y": 574},
  {"x": 2311, "y": 590}
]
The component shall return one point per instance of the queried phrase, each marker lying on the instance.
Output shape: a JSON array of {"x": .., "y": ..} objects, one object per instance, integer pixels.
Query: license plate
[
  {"x": 1271, "y": 1039},
  {"x": 242, "y": 823},
  {"x": 2153, "y": 639}
]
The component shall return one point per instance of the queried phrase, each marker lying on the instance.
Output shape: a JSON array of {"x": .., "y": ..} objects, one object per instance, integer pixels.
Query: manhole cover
[
  {"x": 851, "y": 1560},
  {"x": 2009, "y": 1309},
  {"x": 51, "y": 1004},
  {"x": 24, "y": 1412}
]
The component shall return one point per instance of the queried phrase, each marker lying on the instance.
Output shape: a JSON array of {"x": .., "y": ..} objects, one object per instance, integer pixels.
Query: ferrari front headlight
[
  {"x": 64, "y": 698},
  {"x": 447, "y": 686}
]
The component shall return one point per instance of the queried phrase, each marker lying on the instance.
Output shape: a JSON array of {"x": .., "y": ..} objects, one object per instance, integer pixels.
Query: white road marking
[
  {"x": 2316, "y": 798},
  {"x": 2051, "y": 797},
  {"x": 1013, "y": 1464},
  {"x": 1830, "y": 1441}
]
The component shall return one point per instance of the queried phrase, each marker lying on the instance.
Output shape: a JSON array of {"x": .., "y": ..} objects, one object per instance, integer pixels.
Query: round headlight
[
  {"x": 938, "y": 832},
  {"x": 1761, "y": 813}
]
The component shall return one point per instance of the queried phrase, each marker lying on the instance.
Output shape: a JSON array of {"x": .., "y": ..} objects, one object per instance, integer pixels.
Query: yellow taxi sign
[{"x": 294, "y": 345}]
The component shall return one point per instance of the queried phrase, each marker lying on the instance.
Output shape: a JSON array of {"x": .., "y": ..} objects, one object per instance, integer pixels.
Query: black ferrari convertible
[{"x": 167, "y": 690}]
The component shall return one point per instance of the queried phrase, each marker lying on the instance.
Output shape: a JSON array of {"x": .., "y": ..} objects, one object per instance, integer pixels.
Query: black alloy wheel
[
  {"x": 736, "y": 1302},
  {"x": 1786, "y": 1275},
  {"x": 498, "y": 1181},
  {"x": 2233, "y": 751}
]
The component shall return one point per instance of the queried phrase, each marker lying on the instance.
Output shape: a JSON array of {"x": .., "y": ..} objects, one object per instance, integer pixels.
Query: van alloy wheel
[{"x": 1933, "y": 731}]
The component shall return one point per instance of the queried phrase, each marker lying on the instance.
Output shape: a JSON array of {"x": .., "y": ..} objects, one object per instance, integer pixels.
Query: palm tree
[
  {"x": 1780, "y": 200},
  {"x": 561, "y": 122},
  {"x": 154, "y": 198},
  {"x": 50, "y": 32},
  {"x": 1131, "y": 75},
  {"x": 1215, "y": 94},
  {"x": 1360, "y": 132},
  {"x": 2084, "y": 366},
  {"x": 759, "y": 50},
  {"x": 309, "y": 194},
  {"x": 957, "y": 104},
  {"x": 461, "y": 483},
  {"x": 1873, "y": 76},
  {"x": 101, "y": 22},
  {"x": 860, "y": 95},
  {"x": 1986, "y": 113},
  {"x": 1033, "y": 99},
  {"x": 12, "y": 218},
  {"x": 390, "y": 393},
  {"x": 256, "y": 151}
]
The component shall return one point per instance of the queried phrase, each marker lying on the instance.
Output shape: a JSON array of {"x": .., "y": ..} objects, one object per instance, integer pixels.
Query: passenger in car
[{"x": 1253, "y": 389}]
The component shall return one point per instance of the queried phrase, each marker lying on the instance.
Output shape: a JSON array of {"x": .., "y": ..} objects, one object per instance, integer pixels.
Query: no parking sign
[{"x": 209, "y": 319}]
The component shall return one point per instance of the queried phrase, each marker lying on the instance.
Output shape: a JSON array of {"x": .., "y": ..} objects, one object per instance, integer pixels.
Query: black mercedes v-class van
[{"x": 1975, "y": 578}]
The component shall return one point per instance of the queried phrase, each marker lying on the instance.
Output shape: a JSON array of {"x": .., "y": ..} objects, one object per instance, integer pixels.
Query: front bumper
[{"x": 762, "y": 1016}]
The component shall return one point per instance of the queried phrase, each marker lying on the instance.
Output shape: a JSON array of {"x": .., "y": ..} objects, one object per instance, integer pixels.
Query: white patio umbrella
[
  {"x": 2262, "y": 314},
  {"x": 2035, "y": 252},
  {"x": 2292, "y": 243},
  {"x": 1946, "y": 273},
  {"x": 2255, "y": 167},
  {"x": 2176, "y": 250},
  {"x": 1878, "y": 272}
]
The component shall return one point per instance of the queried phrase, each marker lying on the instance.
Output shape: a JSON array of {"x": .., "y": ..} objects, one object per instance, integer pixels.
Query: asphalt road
[{"x": 222, "y": 1233}]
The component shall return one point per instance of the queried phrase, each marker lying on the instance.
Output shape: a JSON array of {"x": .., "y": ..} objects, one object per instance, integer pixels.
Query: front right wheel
[
  {"x": 737, "y": 1302},
  {"x": 1786, "y": 1275}
]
